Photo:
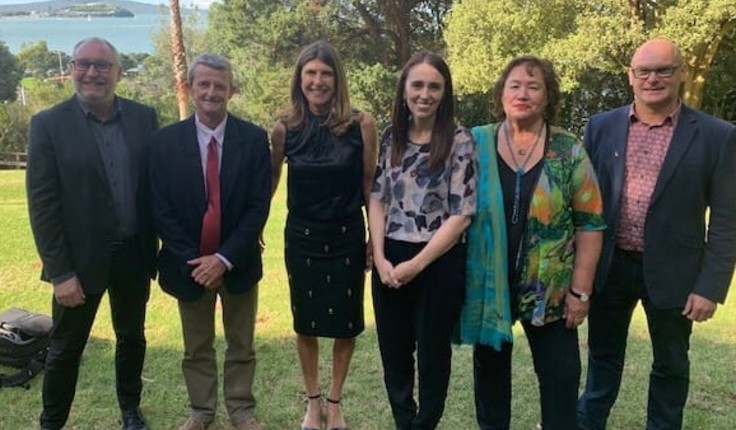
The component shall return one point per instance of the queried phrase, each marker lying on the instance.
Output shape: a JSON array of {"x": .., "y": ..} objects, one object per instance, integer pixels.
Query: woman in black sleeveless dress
[{"x": 331, "y": 150}]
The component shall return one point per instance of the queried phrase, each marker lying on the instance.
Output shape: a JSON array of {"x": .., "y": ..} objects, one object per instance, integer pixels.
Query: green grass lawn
[{"x": 278, "y": 386}]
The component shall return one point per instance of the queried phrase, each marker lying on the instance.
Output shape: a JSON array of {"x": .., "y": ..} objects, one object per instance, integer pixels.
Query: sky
[{"x": 182, "y": 3}]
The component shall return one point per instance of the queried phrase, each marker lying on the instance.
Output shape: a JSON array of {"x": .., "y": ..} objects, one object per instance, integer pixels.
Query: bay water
[{"x": 61, "y": 34}]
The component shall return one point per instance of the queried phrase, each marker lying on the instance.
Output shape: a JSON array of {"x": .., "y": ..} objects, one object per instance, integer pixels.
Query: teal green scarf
[{"x": 486, "y": 315}]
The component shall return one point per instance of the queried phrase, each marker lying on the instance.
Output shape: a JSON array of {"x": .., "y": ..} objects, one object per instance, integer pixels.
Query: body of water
[{"x": 127, "y": 34}]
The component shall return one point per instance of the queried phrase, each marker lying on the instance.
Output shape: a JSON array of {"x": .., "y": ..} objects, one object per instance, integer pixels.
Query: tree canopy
[
  {"x": 10, "y": 74},
  {"x": 581, "y": 36}
]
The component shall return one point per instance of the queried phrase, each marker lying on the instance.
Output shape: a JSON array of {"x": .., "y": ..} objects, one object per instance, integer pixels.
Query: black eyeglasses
[
  {"x": 84, "y": 65},
  {"x": 662, "y": 72}
]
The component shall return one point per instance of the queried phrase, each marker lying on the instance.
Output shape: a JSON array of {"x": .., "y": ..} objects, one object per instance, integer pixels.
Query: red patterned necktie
[{"x": 210, "y": 239}]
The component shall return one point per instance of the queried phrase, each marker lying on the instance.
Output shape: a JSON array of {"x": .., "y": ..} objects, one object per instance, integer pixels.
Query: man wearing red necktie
[{"x": 211, "y": 182}]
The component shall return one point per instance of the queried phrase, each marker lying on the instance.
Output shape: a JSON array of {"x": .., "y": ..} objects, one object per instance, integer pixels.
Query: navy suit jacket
[
  {"x": 179, "y": 202},
  {"x": 683, "y": 251},
  {"x": 69, "y": 196}
]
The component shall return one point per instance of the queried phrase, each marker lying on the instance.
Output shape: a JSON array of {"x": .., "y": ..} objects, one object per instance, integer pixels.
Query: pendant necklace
[{"x": 519, "y": 169}]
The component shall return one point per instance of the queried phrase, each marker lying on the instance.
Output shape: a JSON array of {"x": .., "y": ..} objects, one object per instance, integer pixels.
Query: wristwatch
[{"x": 580, "y": 296}]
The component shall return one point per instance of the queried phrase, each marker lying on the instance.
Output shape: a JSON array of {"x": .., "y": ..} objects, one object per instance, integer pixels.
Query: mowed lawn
[{"x": 278, "y": 385}]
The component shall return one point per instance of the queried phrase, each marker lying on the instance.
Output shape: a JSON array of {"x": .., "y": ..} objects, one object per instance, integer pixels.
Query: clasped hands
[
  {"x": 208, "y": 271},
  {"x": 396, "y": 276}
]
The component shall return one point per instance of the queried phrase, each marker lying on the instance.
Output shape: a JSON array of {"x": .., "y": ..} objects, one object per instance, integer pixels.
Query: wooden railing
[{"x": 12, "y": 160}]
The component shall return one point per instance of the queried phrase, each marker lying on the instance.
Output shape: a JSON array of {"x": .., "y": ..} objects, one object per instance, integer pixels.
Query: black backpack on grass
[{"x": 24, "y": 342}]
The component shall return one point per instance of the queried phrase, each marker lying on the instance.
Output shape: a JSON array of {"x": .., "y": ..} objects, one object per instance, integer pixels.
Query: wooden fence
[{"x": 12, "y": 160}]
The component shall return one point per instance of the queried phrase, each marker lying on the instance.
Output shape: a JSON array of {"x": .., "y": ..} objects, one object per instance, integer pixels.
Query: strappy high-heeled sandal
[
  {"x": 335, "y": 402},
  {"x": 314, "y": 397}
]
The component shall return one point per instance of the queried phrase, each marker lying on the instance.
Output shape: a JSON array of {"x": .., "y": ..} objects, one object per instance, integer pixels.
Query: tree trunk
[
  {"x": 398, "y": 15},
  {"x": 180, "y": 59},
  {"x": 699, "y": 62}
]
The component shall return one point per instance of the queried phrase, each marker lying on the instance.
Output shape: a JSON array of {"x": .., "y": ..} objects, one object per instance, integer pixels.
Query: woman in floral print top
[
  {"x": 422, "y": 199},
  {"x": 532, "y": 248}
]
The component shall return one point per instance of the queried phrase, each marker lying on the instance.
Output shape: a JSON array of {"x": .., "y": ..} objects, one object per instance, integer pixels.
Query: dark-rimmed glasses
[
  {"x": 662, "y": 72},
  {"x": 84, "y": 65}
]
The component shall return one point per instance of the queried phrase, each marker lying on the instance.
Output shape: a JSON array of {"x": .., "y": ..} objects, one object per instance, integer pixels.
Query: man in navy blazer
[
  {"x": 211, "y": 182},
  {"x": 661, "y": 166},
  {"x": 87, "y": 186}
]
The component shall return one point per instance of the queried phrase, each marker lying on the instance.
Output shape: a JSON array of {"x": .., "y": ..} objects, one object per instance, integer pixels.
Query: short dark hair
[
  {"x": 444, "y": 125},
  {"x": 551, "y": 85}
]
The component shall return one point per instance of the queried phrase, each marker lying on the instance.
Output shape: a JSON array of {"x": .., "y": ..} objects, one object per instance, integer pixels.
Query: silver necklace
[{"x": 519, "y": 169}]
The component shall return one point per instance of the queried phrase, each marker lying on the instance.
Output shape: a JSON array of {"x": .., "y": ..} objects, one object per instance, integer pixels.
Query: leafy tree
[
  {"x": 581, "y": 36},
  {"x": 154, "y": 85},
  {"x": 39, "y": 61},
  {"x": 374, "y": 38},
  {"x": 10, "y": 74},
  {"x": 14, "y": 123},
  {"x": 133, "y": 59}
]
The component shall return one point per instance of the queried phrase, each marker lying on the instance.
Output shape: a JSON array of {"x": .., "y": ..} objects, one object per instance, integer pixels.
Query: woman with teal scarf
[{"x": 532, "y": 247}]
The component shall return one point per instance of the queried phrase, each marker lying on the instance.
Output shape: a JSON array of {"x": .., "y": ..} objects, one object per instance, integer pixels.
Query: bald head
[
  {"x": 658, "y": 47},
  {"x": 656, "y": 74}
]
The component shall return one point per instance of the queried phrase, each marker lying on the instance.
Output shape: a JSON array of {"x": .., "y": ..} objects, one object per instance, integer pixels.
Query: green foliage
[
  {"x": 373, "y": 88},
  {"x": 39, "y": 61},
  {"x": 720, "y": 93},
  {"x": 263, "y": 38},
  {"x": 590, "y": 44},
  {"x": 14, "y": 122},
  {"x": 154, "y": 84},
  {"x": 15, "y": 117},
  {"x": 133, "y": 59},
  {"x": 10, "y": 74}
]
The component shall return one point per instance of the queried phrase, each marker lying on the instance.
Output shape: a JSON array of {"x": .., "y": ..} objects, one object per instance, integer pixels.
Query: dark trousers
[
  {"x": 608, "y": 325},
  {"x": 420, "y": 317},
  {"x": 129, "y": 289},
  {"x": 556, "y": 359}
]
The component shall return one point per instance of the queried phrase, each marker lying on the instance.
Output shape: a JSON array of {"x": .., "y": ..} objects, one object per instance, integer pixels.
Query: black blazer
[
  {"x": 69, "y": 197},
  {"x": 179, "y": 202},
  {"x": 683, "y": 251}
]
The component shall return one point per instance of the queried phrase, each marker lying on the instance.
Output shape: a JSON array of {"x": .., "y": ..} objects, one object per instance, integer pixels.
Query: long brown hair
[
  {"x": 341, "y": 115},
  {"x": 443, "y": 131}
]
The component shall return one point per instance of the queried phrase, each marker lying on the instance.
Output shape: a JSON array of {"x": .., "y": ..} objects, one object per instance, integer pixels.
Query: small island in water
[{"x": 80, "y": 10}]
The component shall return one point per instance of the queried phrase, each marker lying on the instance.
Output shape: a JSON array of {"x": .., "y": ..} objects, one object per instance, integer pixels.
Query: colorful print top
[
  {"x": 567, "y": 198},
  {"x": 418, "y": 199}
]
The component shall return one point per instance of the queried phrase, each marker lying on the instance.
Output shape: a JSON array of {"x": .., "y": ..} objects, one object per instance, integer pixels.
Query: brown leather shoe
[
  {"x": 194, "y": 423},
  {"x": 248, "y": 424}
]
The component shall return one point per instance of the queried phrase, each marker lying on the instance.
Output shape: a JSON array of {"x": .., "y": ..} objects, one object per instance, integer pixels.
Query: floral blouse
[
  {"x": 418, "y": 199},
  {"x": 566, "y": 199}
]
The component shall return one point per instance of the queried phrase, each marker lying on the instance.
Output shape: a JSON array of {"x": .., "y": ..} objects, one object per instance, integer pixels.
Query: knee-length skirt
[{"x": 325, "y": 263}]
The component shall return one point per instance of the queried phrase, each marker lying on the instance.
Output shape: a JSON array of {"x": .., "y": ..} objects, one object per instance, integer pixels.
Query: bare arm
[
  {"x": 377, "y": 227},
  {"x": 587, "y": 251},
  {"x": 278, "y": 141},
  {"x": 370, "y": 150}
]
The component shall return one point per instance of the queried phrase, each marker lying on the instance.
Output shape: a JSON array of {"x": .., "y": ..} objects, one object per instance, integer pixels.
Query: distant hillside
[{"x": 43, "y": 6}]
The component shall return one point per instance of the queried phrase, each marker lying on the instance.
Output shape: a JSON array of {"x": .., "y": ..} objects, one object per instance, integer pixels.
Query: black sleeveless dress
[{"x": 325, "y": 231}]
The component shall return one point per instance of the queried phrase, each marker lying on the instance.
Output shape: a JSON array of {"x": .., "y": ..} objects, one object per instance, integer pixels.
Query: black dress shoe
[{"x": 133, "y": 420}]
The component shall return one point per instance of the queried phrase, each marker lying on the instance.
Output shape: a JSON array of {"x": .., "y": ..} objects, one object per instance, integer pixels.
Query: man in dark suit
[
  {"x": 88, "y": 202},
  {"x": 211, "y": 182},
  {"x": 662, "y": 166}
]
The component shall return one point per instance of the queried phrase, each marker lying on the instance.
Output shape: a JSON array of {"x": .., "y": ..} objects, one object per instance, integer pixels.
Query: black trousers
[
  {"x": 129, "y": 289},
  {"x": 419, "y": 317},
  {"x": 608, "y": 327},
  {"x": 556, "y": 359}
]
